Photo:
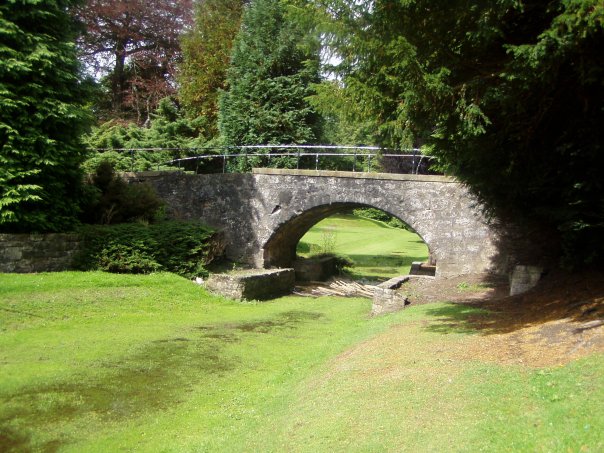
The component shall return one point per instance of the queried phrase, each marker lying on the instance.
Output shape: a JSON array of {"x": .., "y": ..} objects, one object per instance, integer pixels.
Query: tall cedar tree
[
  {"x": 270, "y": 77},
  {"x": 41, "y": 116},
  {"x": 508, "y": 95},
  {"x": 206, "y": 50},
  {"x": 136, "y": 44}
]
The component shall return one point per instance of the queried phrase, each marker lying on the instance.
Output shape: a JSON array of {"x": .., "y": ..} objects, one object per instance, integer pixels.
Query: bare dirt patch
[{"x": 562, "y": 319}]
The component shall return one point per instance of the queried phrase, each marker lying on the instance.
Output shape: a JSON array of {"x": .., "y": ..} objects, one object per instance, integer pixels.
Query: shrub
[
  {"x": 127, "y": 259},
  {"x": 341, "y": 262},
  {"x": 113, "y": 200},
  {"x": 180, "y": 247},
  {"x": 381, "y": 216}
]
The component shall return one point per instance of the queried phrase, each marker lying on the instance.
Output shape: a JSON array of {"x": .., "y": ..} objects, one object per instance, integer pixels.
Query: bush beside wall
[{"x": 184, "y": 248}]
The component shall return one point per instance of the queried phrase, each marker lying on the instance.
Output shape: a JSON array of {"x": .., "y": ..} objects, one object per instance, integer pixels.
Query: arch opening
[{"x": 377, "y": 249}]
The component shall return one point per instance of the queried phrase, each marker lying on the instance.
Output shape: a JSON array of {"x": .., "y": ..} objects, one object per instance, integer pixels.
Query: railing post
[
  {"x": 368, "y": 163},
  {"x": 413, "y": 169},
  {"x": 354, "y": 162},
  {"x": 316, "y": 161},
  {"x": 224, "y": 163},
  {"x": 132, "y": 160},
  {"x": 298, "y": 160}
]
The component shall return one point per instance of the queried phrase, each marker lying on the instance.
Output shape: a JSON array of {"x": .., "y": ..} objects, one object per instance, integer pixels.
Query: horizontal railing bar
[
  {"x": 368, "y": 148},
  {"x": 222, "y": 156},
  {"x": 287, "y": 151}
]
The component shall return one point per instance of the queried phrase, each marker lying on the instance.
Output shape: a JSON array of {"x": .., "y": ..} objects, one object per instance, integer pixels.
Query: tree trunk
[{"x": 118, "y": 77}]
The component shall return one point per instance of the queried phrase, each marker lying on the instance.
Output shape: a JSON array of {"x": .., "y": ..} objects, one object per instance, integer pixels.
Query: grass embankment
[
  {"x": 100, "y": 362},
  {"x": 377, "y": 249}
]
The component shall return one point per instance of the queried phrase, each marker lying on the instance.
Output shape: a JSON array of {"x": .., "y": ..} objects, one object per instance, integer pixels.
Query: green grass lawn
[
  {"x": 377, "y": 250},
  {"x": 101, "y": 362}
]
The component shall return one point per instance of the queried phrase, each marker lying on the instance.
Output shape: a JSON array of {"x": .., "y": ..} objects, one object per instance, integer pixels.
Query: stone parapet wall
[{"x": 23, "y": 253}]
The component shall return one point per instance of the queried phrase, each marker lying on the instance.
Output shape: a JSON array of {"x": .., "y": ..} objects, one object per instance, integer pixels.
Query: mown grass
[
  {"x": 376, "y": 249},
  {"x": 100, "y": 362}
]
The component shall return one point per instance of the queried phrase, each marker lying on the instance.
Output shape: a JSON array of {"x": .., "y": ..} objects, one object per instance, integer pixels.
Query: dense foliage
[
  {"x": 508, "y": 95},
  {"x": 112, "y": 200},
  {"x": 381, "y": 216},
  {"x": 272, "y": 69},
  {"x": 42, "y": 115},
  {"x": 134, "y": 148},
  {"x": 206, "y": 52},
  {"x": 135, "y": 45},
  {"x": 134, "y": 248}
]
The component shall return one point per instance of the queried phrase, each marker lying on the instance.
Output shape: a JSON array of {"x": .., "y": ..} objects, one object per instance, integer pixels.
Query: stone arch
[
  {"x": 280, "y": 249},
  {"x": 255, "y": 210}
]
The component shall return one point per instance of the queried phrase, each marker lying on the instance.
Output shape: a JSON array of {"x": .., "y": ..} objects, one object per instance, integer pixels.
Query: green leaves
[
  {"x": 180, "y": 247},
  {"x": 206, "y": 55},
  {"x": 42, "y": 115},
  {"x": 270, "y": 77},
  {"x": 507, "y": 95}
]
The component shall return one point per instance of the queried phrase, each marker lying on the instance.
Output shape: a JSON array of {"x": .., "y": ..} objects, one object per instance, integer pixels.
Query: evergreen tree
[
  {"x": 206, "y": 50},
  {"x": 41, "y": 116},
  {"x": 272, "y": 71}
]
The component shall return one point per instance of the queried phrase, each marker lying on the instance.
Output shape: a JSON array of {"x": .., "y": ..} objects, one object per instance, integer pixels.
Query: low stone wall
[
  {"x": 315, "y": 269},
  {"x": 386, "y": 299},
  {"x": 23, "y": 253},
  {"x": 253, "y": 284}
]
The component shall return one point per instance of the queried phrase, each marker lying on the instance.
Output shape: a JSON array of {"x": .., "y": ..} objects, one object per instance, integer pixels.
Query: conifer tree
[
  {"x": 272, "y": 71},
  {"x": 41, "y": 116}
]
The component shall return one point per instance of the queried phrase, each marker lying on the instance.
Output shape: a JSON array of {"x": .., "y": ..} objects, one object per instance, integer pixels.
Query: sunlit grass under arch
[{"x": 377, "y": 249}]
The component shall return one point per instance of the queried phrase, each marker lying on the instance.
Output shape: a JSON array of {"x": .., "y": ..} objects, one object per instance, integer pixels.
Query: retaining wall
[{"x": 22, "y": 253}]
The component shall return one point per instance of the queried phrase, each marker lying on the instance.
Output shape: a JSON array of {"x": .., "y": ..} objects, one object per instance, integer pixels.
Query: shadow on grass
[
  {"x": 455, "y": 318},
  {"x": 560, "y": 296},
  {"x": 152, "y": 380},
  {"x": 368, "y": 266}
]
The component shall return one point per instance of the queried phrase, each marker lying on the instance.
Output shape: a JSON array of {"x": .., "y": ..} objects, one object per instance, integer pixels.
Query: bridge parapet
[{"x": 355, "y": 175}]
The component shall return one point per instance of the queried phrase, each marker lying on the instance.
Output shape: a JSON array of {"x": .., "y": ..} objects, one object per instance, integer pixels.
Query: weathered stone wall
[
  {"x": 265, "y": 214},
  {"x": 23, "y": 253},
  {"x": 253, "y": 284}
]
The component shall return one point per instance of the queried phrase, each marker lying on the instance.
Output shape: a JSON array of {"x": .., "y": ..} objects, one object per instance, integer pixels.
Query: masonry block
[{"x": 253, "y": 284}]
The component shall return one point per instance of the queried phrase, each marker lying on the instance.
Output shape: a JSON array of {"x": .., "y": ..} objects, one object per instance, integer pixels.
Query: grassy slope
[
  {"x": 99, "y": 362},
  {"x": 377, "y": 249},
  {"x": 412, "y": 389}
]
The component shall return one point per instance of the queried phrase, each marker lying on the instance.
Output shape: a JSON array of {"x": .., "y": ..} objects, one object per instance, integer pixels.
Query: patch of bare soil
[{"x": 560, "y": 320}]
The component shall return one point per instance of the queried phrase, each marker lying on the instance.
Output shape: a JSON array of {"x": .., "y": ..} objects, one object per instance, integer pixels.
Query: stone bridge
[{"x": 264, "y": 214}]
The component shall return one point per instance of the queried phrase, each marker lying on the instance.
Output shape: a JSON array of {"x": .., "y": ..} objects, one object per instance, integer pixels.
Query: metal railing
[{"x": 362, "y": 156}]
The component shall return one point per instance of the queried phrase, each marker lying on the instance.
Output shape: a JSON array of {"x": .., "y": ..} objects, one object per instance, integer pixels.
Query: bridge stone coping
[
  {"x": 265, "y": 213},
  {"x": 351, "y": 174}
]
